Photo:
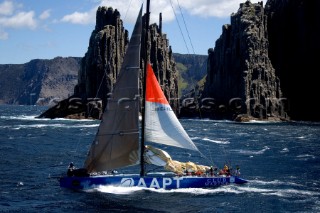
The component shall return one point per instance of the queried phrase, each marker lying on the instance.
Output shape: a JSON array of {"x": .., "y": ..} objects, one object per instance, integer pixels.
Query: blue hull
[{"x": 154, "y": 181}]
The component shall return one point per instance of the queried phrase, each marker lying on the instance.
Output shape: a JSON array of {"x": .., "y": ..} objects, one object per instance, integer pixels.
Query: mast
[{"x": 142, "y": 170}]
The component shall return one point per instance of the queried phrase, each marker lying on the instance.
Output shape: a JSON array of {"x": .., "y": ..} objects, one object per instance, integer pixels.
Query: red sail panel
[{"x": 153, "y": 90}]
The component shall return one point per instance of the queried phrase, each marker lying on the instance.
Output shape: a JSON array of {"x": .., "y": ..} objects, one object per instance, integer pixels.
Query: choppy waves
[
  {"x": 17, "y": 127},
  {"x": 280, "y": 160},
  {"x": 30, "y": 121}
]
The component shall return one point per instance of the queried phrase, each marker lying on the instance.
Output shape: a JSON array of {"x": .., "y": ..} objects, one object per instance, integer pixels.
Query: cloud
[
  {"x": 6, "y": 8},
  {"x": 80, "y": 18},
  {"x": 13, "y": 16},
  {"x": 168, "y": 8},
  {"x": 20, "y": 20},
  {"x": 212, "y": 8},
  {"x": 45, "y": 14},
  {"x": 129, "y": 12}
]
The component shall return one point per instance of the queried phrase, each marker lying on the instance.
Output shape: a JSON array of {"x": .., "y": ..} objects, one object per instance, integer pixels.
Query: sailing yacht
[{"x": 119, "y": 143}]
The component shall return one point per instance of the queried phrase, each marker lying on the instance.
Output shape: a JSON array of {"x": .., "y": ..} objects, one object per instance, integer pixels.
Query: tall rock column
[
  {"x": 102, "y": 62},
  {"x": 241, "y": 79},
  {"x": 293, "y": 28}
]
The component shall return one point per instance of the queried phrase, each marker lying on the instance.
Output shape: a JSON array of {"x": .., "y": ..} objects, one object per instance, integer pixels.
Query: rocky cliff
[
  {"x": 241, "y": 79},
  {"x": 261, "y": 48},
  {"x": 294, "y": 44},
  {"x": 41, "y": 82},
  {"x": 101, "y": 65}
]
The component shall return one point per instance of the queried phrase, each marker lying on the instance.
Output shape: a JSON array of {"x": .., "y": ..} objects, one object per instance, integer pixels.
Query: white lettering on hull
[
  {"x": 166, "y": 182},
  {"x": 216, "y": 181},
  {"x": 142, "y": 183}
]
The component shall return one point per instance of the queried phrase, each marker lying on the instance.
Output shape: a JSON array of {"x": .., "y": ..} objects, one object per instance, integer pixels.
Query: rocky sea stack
[{"x": 101, "y": 65}]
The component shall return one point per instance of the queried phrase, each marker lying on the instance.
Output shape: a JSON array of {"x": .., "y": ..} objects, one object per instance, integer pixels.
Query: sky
[{"x": 45, "y": 29}]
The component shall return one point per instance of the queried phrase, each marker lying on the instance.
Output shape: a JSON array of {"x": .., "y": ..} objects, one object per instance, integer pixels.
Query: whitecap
[
  {"x": 306, "y": 156},
  {"x": 194, "y": 138},
  {"x": 248, "y": 152},
  {"x": 262, "y": 122},
  {"x": 216, "y": 141},
  {"x": 292, "y": 193},
  {"x": 274, "y": 183},
  {"x": 258, "y": 190},
  {"x": 20, "y": 183},
  {"x": 17, "y": 127},
  {"x": 23, "y": 117},
  {"x": 241, "y": 133},
  {"x": 284, "y": 150}
]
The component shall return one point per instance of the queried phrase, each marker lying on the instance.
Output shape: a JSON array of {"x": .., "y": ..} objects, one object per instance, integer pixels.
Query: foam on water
[
  {"x": 17, "y": 127},
  {"x": 34, "y": 118},
  {"x": 216, "y": 141},
  {"x": 23, "y": 117},
  {"x": 250, "y": 152},
  {"x": 306, "y": 156},
  {"x": 274, "y": 183}
]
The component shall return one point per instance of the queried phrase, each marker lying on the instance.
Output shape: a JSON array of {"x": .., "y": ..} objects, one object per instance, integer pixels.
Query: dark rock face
[
  {"x": 98, "y": 71},
  {"x": 293, "y": 28},
  {"x": 41, "y": 82},
  {"x": 75, "y": 108},
  {"x": 102, "y": 62},
  {"x": 241, "y": 79}
]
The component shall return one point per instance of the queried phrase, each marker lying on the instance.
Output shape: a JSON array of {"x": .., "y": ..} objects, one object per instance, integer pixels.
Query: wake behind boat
[{"x": 119, "y": 143}]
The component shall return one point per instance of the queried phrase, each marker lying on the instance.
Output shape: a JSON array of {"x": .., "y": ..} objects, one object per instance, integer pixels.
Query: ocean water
[{"x": 281, "y": 160}]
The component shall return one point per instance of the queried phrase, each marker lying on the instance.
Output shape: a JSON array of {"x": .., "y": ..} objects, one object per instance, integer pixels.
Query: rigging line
[
  {"x": 185, "y": 25},
  {"x": 201, "y": 154},
  {"x": 191, "y": 46},
  {"x": 194, "y": 83},
  {"x": 209, "y": 159},
  {"x": 179, "y": 26},
  {"x": 125, "y": 16}
]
